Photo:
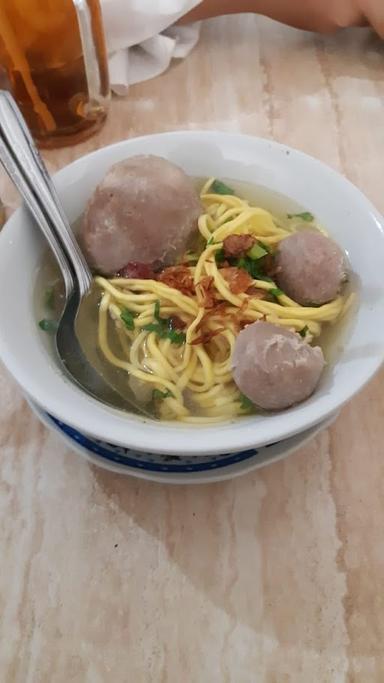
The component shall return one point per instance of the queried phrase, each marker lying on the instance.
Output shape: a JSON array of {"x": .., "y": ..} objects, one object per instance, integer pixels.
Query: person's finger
[{"x": 373, "y": 10}]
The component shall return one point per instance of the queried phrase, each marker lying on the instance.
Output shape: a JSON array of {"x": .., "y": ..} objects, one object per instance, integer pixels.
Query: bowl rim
[{"x": 92, "y": 417}]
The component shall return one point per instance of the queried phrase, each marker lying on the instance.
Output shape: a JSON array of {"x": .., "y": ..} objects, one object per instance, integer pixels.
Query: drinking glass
[{"x": 53, "y": 60}]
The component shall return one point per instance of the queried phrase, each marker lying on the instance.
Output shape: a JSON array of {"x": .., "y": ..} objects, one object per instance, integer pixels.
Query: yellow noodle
[{"x": 195, "y": 379}]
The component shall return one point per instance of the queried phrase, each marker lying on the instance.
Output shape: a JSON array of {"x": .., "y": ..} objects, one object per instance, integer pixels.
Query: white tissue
[{"x": 141, "y": 39}]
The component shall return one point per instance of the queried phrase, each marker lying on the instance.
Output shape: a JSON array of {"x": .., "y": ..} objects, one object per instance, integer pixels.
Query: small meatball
[
  {"x": 237, "y": 245},
  {"x": 144, "y": 211},
  {"x": 139, "y": 271},
  {"x": 310, "y": 268},
  {"x": 274, "y": 367}
]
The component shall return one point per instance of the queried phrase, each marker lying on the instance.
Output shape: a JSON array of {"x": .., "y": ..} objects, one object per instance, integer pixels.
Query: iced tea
[{"x": 60, "y": 83}]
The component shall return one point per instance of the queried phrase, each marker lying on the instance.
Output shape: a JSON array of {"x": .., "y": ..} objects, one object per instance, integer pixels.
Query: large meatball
[
  {"x": 274, "y": 367},
  {"x": 144, "y": 211},
  {"x": 310, "y": 267}
]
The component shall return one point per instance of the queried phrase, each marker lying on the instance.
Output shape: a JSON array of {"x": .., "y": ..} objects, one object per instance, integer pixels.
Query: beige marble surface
[{"x": 277, "y": 577}]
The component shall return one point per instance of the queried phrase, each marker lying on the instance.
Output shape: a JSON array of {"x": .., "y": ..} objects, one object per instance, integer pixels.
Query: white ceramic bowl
[{"x": 347, "y": 214}]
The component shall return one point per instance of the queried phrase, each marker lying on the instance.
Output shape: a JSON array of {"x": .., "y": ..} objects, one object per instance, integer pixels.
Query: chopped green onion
[
  {"x": 218, "y": 187},
  {"x": 303, "y": 332},
  {"x": 276, "y": 292},
  {"x": 152, "y": 327},
  {"x": 245, "y": 402},
  {"x": 219, "y": 256},
  {"x": 256, "y": 252},
  {"x": 305, "y": 216},
  {"x": 247, "y": 264},
  {"x": 49, "y": 298},
  {"x": 128, "y": 318},
  {"x": 157, "y": 311},
  {"x": 176, "y": 337},
  {"x": 253, "y": 268},
  {"x": 161, "y": 395},
  {"x": 210, "y": 241},
  {"x": 265, "y": 246},
  {"x": 49, "y": 326},
  {"x": 164, "y": 329}
]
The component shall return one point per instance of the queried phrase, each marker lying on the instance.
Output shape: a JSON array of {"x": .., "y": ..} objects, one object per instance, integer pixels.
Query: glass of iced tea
[{"x": 53, "y": 60}]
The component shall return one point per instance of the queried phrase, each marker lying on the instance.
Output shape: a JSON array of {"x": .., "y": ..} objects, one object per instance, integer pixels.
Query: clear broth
[{"x": 332, "y": 339}]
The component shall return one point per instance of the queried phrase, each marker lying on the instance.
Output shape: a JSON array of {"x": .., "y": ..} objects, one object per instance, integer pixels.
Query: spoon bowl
[{"x": 82, "y": 359}]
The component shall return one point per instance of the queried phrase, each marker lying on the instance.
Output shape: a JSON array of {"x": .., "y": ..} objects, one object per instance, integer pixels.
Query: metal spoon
[{"x": 26, "y": 169}]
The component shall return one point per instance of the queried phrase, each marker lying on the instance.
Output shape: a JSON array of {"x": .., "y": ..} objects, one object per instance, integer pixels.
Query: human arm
[{"x": 313, "y": 15}]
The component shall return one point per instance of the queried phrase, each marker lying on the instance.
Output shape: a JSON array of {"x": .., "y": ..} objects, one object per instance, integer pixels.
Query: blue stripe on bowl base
[{"x": 151, "y": 461}]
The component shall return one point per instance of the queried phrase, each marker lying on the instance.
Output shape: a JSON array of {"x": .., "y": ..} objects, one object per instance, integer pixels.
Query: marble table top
[{"x": 275, "y": 577}]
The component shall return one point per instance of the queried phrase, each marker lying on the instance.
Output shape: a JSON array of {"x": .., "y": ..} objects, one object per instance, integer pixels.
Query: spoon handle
[
  {"x": 15, "y": 173},
  {"x": 17, "y": 138}
]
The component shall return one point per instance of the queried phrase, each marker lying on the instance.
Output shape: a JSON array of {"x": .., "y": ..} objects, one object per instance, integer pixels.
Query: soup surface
[{"x": 172, "y": 331}]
